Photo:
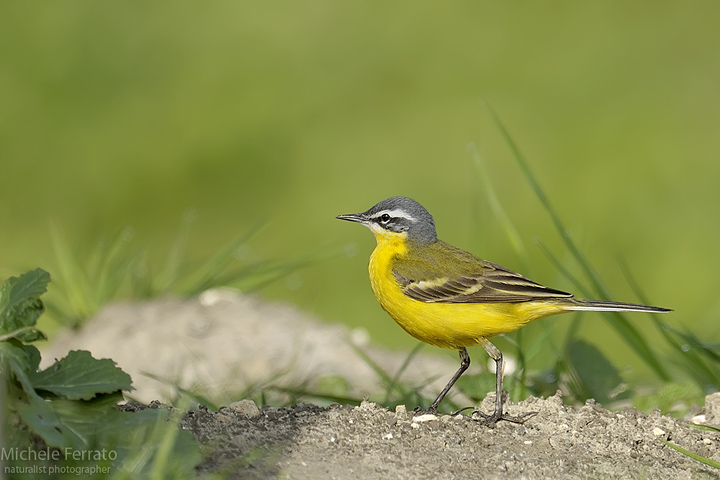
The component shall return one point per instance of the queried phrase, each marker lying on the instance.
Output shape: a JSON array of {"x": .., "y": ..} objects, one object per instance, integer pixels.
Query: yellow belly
[{"x": 448, "y": 325}]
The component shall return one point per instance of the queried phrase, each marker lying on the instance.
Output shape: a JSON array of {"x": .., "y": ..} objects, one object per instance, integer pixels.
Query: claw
[
  {"x": 457, "y": 412},
  {"x": 491, "y": 420},
  {"x": 431, "y": 409}
]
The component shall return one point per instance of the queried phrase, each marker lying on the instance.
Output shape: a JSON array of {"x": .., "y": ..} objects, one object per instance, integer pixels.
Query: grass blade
[
  {"x": 699, "y": 458},
  {"x": 618, "y": 321},
  {"x": 502, "y": 217},
  {"x": 689, "y": 350},
  {"x": 394, "y": 381}
]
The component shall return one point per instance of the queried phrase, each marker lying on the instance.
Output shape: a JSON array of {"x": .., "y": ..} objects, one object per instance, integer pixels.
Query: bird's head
[{"x": 397, "y": 217}]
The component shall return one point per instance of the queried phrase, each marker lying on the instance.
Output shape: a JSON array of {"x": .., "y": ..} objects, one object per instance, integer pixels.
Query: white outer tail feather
[
  {"x": 600, "y": 306},
  {"x": 610, "y": 309}
]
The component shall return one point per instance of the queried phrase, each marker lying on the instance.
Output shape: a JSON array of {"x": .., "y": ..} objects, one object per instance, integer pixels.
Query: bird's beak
[{"x": 353, "y": 217}]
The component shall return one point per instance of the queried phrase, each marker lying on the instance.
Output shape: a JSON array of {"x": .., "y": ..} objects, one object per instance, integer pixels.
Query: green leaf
[
  {"x": 28, "y": 285},
  {"x": 22, "y": 361},
  {"x": 20, "y": 304},
  {"x": 42, "y": 418},
  {"x": 143, "y": 440},
  {"x": 21, "y": 333},
  {"x": 83, "y": 423},
  {"x": 137, "y": 443},
  {"x": 25, "y": 358},
  {"x": 71, "y": 423},
  {"x": 151, "y": 444},
  {"x": 79, "y": 376},
  {"x": 593, "y": 375}
]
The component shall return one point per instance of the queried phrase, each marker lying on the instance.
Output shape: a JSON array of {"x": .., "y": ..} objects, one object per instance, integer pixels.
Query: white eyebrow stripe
[{"x": 395, "y": 214}]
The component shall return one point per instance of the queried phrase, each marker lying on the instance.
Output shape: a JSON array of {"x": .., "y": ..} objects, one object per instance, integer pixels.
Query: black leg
[
  {"x": 498, "y": 414},
  {"x": 464, "y": 364}
]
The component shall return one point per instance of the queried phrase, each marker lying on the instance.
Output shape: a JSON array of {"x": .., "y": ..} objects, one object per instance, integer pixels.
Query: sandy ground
[
  {"x": 222, "y": 342},
  {"x": 367, "y": 442}
]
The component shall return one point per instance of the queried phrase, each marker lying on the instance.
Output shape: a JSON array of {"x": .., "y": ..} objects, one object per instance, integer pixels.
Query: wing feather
[{"x": 472, "y": 280}]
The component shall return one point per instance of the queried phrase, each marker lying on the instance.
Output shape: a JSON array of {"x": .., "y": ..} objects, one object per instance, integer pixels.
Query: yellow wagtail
[{"x": 450, "y": 298}]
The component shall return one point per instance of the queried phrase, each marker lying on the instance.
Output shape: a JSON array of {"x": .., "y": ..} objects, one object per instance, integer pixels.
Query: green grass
[
  {"x": 117, "y": 269},
  {"x": 70, "y": 408},
  {"x": 582, "y": 369},
  {"x": 89, "y": 279},
  {"x": 707, "y": 461},
  {"x": 120, "y": 116},
  {"x": 61, "y": 406},
  {"x": 124, "y": 118}
]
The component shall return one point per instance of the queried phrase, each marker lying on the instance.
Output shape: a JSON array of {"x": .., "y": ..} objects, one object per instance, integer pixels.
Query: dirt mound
[
  {"x": 222, "y": 342},
  {"x": 342, "y": 442}
]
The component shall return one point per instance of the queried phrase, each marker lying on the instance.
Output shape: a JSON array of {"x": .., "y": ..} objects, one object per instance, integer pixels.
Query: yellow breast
[{"x": 448, "y": 325}]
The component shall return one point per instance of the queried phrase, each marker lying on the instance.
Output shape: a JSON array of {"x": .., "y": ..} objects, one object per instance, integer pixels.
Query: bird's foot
[
  {"x": 491, "y": 420},
  {"x": 430, "y": 410}
]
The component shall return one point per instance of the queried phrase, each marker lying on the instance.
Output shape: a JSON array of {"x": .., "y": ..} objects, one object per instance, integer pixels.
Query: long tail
[{"x": 603, "y": 306}]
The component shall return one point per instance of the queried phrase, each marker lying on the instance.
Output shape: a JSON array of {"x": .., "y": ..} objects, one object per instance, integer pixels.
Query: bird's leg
[
  {"x": 498, "y": 414},
  {"x": 464, "y": 364}
]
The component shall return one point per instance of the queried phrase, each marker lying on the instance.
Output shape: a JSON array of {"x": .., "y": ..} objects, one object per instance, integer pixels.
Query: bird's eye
[{"x": 384, "y": 218}]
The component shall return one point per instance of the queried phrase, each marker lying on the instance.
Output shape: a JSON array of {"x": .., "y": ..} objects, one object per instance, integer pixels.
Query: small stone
[
  {"x": 366, "y": 405},
  {"x": 246, "y": 408},
  {"x": 699, "y": 420},
  {"x": 428, "y": 417},
  {"x": 712, "y": 409}
]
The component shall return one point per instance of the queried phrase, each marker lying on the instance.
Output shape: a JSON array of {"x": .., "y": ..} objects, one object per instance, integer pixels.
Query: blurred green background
[{"x": 145, "y": 114}]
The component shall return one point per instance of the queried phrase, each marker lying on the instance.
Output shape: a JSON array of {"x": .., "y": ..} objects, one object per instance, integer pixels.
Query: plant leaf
[
  {"x": 20, "y": 304},
  {"x": 151, "y": 444},
  {"x": 594, "y": 375},
  {"x": 28, "y": 285},
  {"x": 71, "y": 423},
  {"x": 139, "y": 442},
  {"x": 79, "y": 376},
  {"x": 42, "y": 418},
  {"x": 22, "y": 360}
]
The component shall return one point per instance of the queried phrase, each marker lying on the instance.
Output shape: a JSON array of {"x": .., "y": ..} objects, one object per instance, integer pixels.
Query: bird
[{"x": 447, "y": 297}]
